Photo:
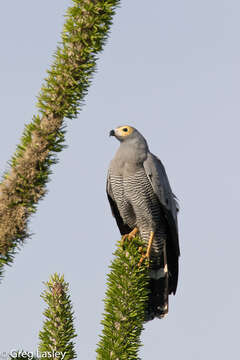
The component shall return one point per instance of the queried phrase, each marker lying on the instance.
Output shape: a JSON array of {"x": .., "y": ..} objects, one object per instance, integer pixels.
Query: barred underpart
[{"x": 139, "y": 206}]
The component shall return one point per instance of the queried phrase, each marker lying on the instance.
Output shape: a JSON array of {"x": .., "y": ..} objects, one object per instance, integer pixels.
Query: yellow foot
[
  {"x": 130, "y": 236},
  {"x": 147, "y": 255}
]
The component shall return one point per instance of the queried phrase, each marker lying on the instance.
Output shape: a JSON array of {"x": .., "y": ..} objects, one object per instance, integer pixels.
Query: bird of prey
[{"x": 142, "y": 202}]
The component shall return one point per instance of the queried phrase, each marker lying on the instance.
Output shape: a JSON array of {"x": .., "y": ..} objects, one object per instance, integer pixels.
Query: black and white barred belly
[{"x": 139, "y": 206}]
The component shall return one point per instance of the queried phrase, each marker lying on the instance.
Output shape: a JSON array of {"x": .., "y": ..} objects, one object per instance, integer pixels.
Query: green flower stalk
[
  {"x": 58, "y": 330},
  {"x": 125, "y": 304},
  {"x": 84, "y": 34}
]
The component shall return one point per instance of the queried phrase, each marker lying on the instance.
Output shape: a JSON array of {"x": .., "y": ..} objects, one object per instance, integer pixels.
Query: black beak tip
[{"x": 112, "y": 133}]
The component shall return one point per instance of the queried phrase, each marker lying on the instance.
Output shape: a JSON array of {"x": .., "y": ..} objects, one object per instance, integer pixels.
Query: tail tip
[{"x": 158, "y": 312}]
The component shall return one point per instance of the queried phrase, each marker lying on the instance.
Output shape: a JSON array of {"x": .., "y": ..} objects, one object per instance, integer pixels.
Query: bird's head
[
  {"x": 133, "y": 146},
  {"x": 123, "y": 133}
]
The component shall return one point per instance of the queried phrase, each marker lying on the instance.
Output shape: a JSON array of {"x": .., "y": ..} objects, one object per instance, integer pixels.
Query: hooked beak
[{"x": 112, "y": 133}]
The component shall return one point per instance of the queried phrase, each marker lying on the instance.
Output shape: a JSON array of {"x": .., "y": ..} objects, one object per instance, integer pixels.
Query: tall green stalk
[
  {"x": 58, "y": 330},
  {"x": 125, "y": 304},
  {"x": 84, "y": 34}
]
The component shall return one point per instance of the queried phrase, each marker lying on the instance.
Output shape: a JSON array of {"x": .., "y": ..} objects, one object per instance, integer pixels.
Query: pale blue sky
[{"x": 171, "y": 69}]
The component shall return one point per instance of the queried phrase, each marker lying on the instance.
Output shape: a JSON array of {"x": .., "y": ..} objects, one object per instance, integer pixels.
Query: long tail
[{"x": 158, "y": 297}]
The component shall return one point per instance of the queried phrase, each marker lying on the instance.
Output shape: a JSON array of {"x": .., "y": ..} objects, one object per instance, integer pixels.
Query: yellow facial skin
[{"x": 124, "y": 131}]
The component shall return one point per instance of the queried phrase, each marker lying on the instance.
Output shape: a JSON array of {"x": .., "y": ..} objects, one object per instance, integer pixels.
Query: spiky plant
[
  {"x": 84, "y": 34},
  {"x": 125, "y": 304},
  {"x": 58, "y": 330}
]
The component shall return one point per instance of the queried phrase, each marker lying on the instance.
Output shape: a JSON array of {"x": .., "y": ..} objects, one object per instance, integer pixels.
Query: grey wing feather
[
  {"x": 161, "y": 187},
  {"x": 159, "y": 180}
]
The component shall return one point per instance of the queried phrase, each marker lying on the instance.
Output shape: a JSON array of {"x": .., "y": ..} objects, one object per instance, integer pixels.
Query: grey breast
[
  {"x": 139, "y": 206},
  {"x": 149, "y": 216}
]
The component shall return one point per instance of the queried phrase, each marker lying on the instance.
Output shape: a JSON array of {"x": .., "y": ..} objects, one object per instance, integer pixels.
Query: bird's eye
[{"x": 125, "y": 129}]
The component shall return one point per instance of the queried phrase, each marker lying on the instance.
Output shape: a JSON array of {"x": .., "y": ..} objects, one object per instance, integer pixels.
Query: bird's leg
[
  {"x": 147, "y": 255},
  {"x": 130, "y": 236}
]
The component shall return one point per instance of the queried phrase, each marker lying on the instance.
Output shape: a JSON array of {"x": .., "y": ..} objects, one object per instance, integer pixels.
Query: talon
[
  {"x": 130, "y": 236},
  {"x": 123, "y": 239},
  {"x": 141, "y": 260},
  {"x": 147, "y": 255}
]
